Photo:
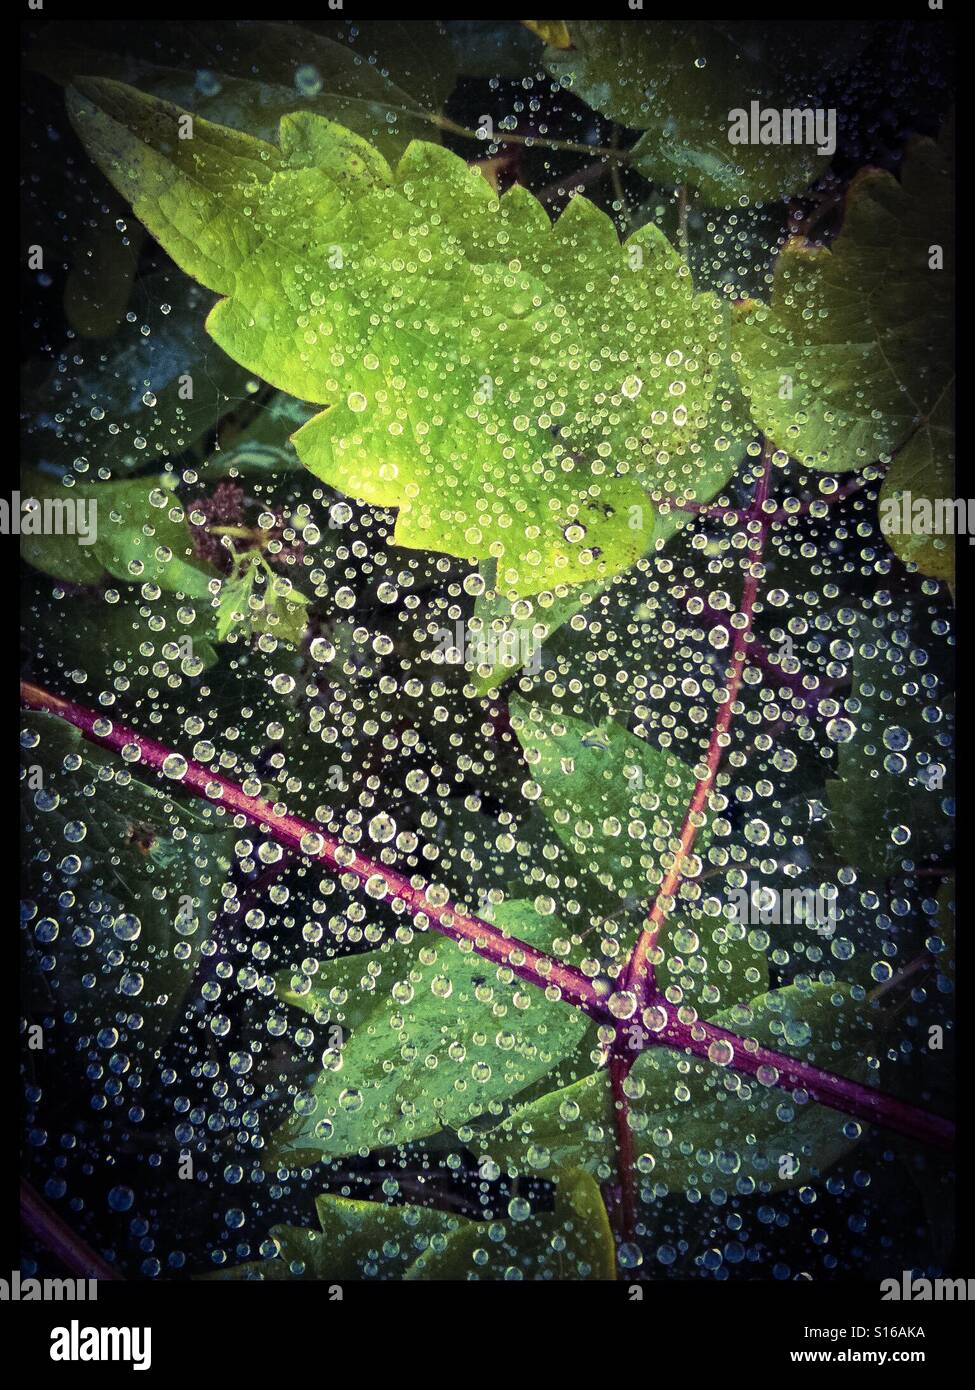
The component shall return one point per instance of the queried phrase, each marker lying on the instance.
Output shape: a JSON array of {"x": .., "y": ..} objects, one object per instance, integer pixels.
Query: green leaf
[
  {"x": 923, "y": 472},
  {"x": 70, "y": 557},
  {"x": 610, "y": 797},
  {"x": 260, "y": 445},
  {"x": 508, "y": 631},
  {"x": 235, "y": 594},
  {"x": 128, "y": 882},
  {"x": 285, "y": 614},
  {"x": 383, "y": 80},
  {"x": 515, "y": 629},
  {"x": 854, "y": 354},
  {"x": 446, "y": 1035},
  {"x": 698, "y": 1125},
  {"x": 357, "y": 1240},
  {"x": 484, "y": 370},
  {"x": 678, "y": 82},
  {"x": 699, "y": 472},
  {"x": 142, "y": 536},
  {"x": 276, "y": 607},
  {"x": 709, "y": 960},
  {"x": 363, "y": 1240}
]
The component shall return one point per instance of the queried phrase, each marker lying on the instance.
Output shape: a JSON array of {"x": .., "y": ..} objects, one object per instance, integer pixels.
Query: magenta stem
[
  {"x": 637, "y": 975},
  {"x": 758, "y": 655},
  {"x": 315, "y": 843},
  {"x": 823, "y": 1087},
  {"x": 526, "y": 962}
]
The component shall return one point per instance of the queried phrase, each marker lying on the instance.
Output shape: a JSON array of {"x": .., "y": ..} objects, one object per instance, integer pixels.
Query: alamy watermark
[
  {"x": 513, "y": 648},
  {"x": 923, "y": 516},
  {"x": 791, "y": 126},
  {"x": 758, "y": 905},
  {"x": 52, "y": 516},
  {"x": 926, "y": 1290},
  {"x": 77, "y": 1343},
  {"x": 19, "y": 1290}
]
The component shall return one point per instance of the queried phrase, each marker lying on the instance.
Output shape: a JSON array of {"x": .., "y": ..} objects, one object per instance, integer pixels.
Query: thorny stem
[{"x": 526, "y": 962}]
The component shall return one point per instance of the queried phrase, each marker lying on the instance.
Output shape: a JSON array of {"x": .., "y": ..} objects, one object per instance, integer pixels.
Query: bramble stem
[
  {"x": 822, "y": 1087},
  {"x": 526, "y": 962},
  {"x": 636, "y": 976},
  {"x": 313, "y": 841}
]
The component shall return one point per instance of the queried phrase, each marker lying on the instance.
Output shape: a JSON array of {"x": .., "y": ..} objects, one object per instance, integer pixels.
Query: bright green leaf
[
  {"x": 453, "y": 314},
  {"x": 444, "y": 1037}
]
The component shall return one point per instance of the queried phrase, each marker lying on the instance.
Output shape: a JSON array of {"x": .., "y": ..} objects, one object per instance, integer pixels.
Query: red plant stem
[
  {"x": 824, "y": 1087},
  {"x": 525, "y": 961},
  {"x": 637, "y": 976},
  {"x": 48, "y": 1228},
  {"x": 759, "y": 655}
]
